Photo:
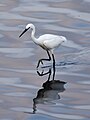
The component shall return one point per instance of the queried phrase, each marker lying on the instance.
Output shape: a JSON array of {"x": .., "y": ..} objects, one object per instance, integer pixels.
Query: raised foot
[{"x": 40, "y": 61}]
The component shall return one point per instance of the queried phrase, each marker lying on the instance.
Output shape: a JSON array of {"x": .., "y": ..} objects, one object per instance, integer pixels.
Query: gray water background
[{"x": 19, "y": 81}]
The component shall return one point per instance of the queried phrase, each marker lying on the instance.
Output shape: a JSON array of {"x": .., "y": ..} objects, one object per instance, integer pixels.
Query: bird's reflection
[{"x": 50, "y": 90}]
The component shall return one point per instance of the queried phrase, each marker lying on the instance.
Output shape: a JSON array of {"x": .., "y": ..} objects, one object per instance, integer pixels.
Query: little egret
[{"x": 47, "y": 41}]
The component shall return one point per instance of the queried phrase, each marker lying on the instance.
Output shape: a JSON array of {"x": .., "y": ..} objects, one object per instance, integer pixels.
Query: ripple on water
[
  {"x": 17, "y": 52},
  {"x": 13, "y": 16},
  {"x": 54, "y": 115},
  {"x": 83, "y": 107},
  {"x": 87, "y": 82},
  {"x": 6, "y": 119},
  {"x": 1, "y": 35},
  {"x": 19, "y": 94},
  {"x": 63, "y": 17},
  {"x": 9, "y": 80}
]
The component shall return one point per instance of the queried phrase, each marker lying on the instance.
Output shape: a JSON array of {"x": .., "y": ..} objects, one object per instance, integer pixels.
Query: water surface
[{"x": 22, "y": 90}]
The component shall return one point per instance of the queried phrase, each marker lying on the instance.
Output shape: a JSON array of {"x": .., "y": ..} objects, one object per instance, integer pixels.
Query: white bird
[{"x": 47, "y": 41}]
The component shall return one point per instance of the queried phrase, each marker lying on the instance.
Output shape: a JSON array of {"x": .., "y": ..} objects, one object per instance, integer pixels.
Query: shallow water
[{"x": 25, "y": 94}]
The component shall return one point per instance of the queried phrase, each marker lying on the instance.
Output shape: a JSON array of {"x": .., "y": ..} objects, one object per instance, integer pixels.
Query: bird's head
[{"x": 28, "y": 26}]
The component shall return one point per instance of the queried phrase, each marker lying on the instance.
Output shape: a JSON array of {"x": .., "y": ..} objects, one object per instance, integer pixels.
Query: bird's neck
[{"x": 33, "y": 35}]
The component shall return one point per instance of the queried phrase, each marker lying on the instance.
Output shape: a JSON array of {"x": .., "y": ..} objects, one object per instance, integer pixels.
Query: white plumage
[
  {"x": 47, "y": 41},
  {"x": 51, "y": 41}
]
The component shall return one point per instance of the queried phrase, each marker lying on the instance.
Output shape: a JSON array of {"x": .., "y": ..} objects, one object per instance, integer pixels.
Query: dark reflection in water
[{"x": 50, "y": 90}]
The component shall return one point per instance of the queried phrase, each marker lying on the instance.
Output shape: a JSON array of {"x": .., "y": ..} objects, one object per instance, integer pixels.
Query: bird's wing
[{"x": 52, "y": 42}]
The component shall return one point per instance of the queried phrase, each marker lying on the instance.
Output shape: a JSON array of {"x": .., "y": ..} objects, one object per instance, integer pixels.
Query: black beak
[{"x": 23, "y": 32}]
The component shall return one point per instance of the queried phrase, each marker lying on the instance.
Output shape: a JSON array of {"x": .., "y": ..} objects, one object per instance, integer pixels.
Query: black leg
[
  {"x": 41, "y": 60},
  {"x": 53, "y": 66},
  {"x": 42, "y": 73}
]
